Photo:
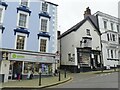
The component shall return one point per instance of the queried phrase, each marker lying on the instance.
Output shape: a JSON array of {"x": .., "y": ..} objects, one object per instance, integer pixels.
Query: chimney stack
[{"x": 87, "y": 12}]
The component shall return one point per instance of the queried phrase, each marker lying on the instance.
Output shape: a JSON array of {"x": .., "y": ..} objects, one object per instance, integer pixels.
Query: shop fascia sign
[
  {"x": 17, "y": 56},
  {"x": 23, "y": 57}
]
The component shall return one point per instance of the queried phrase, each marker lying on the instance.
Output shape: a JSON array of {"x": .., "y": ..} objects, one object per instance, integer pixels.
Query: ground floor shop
[
  {"x": 86, "y": 60},
  {"x": 22, "y": 64}
]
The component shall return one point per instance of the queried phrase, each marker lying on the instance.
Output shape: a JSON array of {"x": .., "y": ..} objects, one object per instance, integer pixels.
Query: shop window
[{"x": 30, "y": 66}]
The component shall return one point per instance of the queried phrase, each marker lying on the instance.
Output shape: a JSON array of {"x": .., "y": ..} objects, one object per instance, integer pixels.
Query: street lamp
[{"x": 40, "y": 76}]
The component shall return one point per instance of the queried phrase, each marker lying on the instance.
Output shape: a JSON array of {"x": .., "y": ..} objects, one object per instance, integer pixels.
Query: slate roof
[{"x": 91, "y": 18}]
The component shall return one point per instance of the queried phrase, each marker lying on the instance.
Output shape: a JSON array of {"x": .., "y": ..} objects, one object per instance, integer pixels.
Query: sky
[{"x": 71, "y": 12}]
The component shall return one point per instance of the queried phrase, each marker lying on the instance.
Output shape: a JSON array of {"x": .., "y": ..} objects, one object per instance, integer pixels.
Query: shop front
[{"x": 22, "y": 64}]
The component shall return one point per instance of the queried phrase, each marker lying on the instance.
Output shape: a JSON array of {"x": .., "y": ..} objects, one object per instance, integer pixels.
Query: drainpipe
[{"x": 101, "y": 59}]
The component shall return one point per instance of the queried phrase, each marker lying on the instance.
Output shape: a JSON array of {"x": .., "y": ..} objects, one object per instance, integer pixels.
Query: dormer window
[
  {"x": 88, "y": 32},
  {"x": 44, "y": 7},
  {"x": 24, "y": 3}
]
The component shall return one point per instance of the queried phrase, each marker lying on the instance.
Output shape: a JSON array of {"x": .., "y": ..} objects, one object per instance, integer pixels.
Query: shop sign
[
  {"x": 32, "y": 58},
  {"x": 17, "y": 56}
]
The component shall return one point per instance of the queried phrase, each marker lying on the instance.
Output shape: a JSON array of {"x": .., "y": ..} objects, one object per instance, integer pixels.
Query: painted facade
[
  {"x": 110, "y": 38},
  {"x": 28, "y": 36},
  {"x": 80, "y": 46}
]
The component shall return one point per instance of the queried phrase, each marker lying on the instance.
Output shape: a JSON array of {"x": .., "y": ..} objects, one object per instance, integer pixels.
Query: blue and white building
[{"x": 28, "y": 37}]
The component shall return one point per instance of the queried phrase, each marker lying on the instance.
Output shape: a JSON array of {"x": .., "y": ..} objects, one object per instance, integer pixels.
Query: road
[{"x": 106, "y": 80}]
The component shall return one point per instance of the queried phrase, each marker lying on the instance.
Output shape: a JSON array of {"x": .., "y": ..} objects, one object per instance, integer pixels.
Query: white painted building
[
  {"x": 110, "y": 36},
  {"x": 80, "y": 46}
]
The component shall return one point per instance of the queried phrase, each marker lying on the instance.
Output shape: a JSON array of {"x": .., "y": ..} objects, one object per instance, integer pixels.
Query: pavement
[
  {"x": 46, "y": 82},
  {"x": 34, "y": 83}
]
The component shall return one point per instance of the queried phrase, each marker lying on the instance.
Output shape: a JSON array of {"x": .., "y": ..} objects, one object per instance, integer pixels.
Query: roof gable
[{"x": 91, "y": 18}]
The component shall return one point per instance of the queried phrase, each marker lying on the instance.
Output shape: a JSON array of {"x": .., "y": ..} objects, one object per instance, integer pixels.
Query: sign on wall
[{"x": 31, "y": 58}]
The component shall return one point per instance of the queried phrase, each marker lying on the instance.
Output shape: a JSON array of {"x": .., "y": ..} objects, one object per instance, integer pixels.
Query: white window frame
[
  {"x": 47, "y": 24},
  {"x": 41, "y": 7},
  {"x": 47, "y": 44},
  {"x": 112, "y": 26},
  {"x": 21, "y": 34},
  {"x": 104, "y": 24},
  {"x": 18, "y": 16},
  {"x": 3, "y": 12},
  {"x": 27, "y": 1}
]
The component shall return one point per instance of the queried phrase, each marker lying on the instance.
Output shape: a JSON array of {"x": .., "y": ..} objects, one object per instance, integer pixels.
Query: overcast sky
[{"x": 71, "y": 12}]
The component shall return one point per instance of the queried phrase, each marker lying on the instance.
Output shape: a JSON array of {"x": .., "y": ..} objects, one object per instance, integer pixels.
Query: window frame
[
  {"x": 28, "y": 4},
  {"x": 108, "y": 53},
  {"x": 105, "y": 24},
  {"x": 27, "y": 19},
  {"x": 112, "y": 26},
  {"x": 2, "y": 15},
  {"x": 47, "y": 24},
  {"x": 47, "y": 6},
  {"x": 25, "y": 42},
  {"x": 118, "y": 28},
  {"x": 47, "y": 44},
  {"x": 88, "y": 32},
  {"x": 111, "y": 54}
]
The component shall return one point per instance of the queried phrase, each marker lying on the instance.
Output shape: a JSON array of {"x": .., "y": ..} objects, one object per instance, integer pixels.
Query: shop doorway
[{"x": 17, "y": 70}]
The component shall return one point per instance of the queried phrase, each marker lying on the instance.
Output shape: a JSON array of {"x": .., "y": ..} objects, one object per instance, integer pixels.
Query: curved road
[{"x": 107, "y": 80}]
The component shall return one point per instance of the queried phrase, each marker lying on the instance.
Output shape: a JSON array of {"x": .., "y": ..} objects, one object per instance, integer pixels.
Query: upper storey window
[
  {"x": 24, "y": 3},
  {"x": 22, "y": 20},
  {"x": 88, "y": 32},
  {"x": 1, "y": 12},
  {"x": 112, "y": 26},
  {"x": 105, "y": 24},
  {"x": 44, "y": 7}
]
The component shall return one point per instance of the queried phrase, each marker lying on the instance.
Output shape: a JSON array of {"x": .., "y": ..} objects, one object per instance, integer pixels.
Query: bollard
[
  {"x": 59, "y": 75},
  {"x": 40, "y": 79},
  {"x": 65, "y": 73},
  {"x": 114, "y": 68}
]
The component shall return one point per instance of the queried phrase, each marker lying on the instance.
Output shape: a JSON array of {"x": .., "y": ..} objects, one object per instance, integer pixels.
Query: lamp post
[{"x": 39, "y": 76}]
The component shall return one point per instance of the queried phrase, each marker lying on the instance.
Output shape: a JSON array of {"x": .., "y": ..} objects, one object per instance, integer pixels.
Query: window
[
  {"x": 43, "y": 45},
  {"x": 108, "y": 53},
  {"x": 111, "y": 53},
  {"x": 44, "y": 7},
  {"x": 119, "y": 40},
  {"x": 69, "y": 57},
  {"x": 108, "y": 37},
  {"x": 113, "y": 37},
  {"x": 105, "y": 24},
  {"x": 118, "y": 28},
  {"x": 20, "y": 42},
  {"x": 24, "y": 3},
  {"x": 111, "y": 26},
  {"x": 88, "y": 32},
  {"x": 44, "y": 25},
  {"x": 1, "y": 14},
  {"x": 115, "y": 54},
  {"x": 22, "y": 20}
]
